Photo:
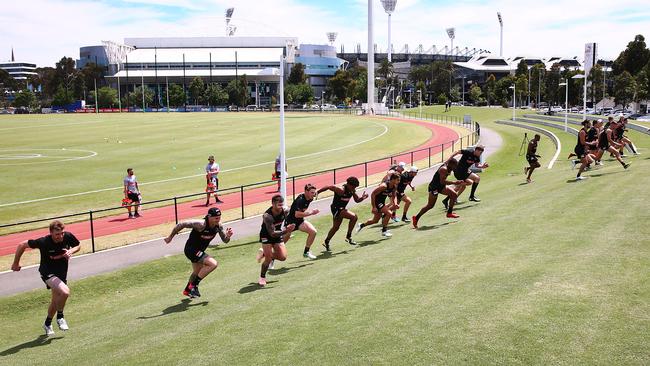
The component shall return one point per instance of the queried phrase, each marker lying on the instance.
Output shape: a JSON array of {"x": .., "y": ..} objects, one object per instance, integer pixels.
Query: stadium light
[
  {"x": 565, "y": 84},
  {"x": 451, "y": 32},
  {"x": 389, "y": 8},
  {"x": 501, "y": 38},
  {"x": 230, "y": 29},
  {"x": 331, "y": 37},
  {"x": 584, "y": 99}
]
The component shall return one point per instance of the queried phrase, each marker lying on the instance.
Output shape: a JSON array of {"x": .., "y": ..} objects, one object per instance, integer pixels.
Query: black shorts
[
  {"x": 461, "y": 175},
  {"x": 47, "y": 276},
  {"x": 265, "y": 240},
  {"x": 579, "y": 150},
  {"x": 195, "y": 255},
  {"x": 434, "y": 189},
  {"x": 532, "y": 159},
  {"x": 399, "y": 196},
  {"x": 336, "y": 211},
  {"x": 295, "y": 221},
  {"x": 134, "y": 197},
  {"x": 379, "y": 205}
]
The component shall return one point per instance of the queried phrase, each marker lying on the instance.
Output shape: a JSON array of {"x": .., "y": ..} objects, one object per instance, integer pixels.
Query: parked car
[
  {"x": 557, "y": 108},
  {"x": 645, "y": 118},
  {"x": 233, "y": 108}
]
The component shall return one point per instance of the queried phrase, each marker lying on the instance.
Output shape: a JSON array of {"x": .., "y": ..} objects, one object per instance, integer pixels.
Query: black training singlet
[
  {"x": 341, "y": 201},
  {"x": 381, "y": 197},
  {"x": 404, "y": 180},
  {"x": 592, "y": 134},
  {"x": 277, "y": 223},
  {"x": 199, "y": 240}
]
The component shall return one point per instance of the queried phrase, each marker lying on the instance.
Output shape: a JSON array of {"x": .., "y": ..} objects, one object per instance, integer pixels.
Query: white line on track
[{"x": 202, "y": 174}]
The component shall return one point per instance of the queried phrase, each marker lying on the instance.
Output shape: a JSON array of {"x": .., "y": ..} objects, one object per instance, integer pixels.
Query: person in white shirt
[
  {"x": 211, "y": 175},
  {"x": 132, "y": 193}
]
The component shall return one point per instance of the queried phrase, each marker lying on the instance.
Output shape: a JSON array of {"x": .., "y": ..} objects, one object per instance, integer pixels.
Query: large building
[{"x": 17, "y": 69}]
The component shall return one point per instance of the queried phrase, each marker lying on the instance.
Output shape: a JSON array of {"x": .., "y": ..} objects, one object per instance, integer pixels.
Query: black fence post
[
  {"x": 176, "y": 210},
  {"x": 411, "y": 157},
  {"x": 442, "y": 151},
  {"x": 453, "y": 145},
  {"x": 92, "y": 230},
  {"x": 365, "y": 172},
  {"x": 293, "y": 187},
  {"x": 461, "y": 143},
  {"x": 334, "y": 179},
  {"x": 429, "y": 156},
  {"x": 241, "y": 196}
]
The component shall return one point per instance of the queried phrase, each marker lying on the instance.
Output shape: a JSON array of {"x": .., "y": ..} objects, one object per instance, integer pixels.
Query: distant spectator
[
  {"x": 211, "y": 176},
  {"x": 132, "y": 193}
]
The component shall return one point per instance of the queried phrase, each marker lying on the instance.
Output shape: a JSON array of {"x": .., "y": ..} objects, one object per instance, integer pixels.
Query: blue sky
[{"x": 43, "y": 31}]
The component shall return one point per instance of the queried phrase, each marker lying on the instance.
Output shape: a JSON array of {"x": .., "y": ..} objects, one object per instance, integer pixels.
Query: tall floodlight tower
[
  {"x": 451, "y": 32},
  {"x": 501, "y": 37},
  {"x": 389, "y": 8},
  {"x": 371, "y": 62},
  {"x": 331, "y": 37},
  {"x": 230, "y": 28}
]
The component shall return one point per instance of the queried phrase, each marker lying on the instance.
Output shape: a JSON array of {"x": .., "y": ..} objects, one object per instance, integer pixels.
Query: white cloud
[{"x": 43, "y": 31}]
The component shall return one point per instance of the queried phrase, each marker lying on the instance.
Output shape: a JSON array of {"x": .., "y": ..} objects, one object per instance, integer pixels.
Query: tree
[
  {"x": 298, "y": 94},
  {"x": 65, "y": 75},
  {"x": 197, "y": 89},
  {"x": 537, "y": 74},
  {"x": 135, "y": 97},
  {"x": 503, "y": 93},
  {"x": 551, "y": 84},
  {"x": 521, "y": 82},
  {"x": 341, "y": 85},
  {"x": 176, "y": 95},
  {"x": 490, "y": 88},
  {"x": 7, "y": 81},
  {"x": 624, "y": 88},
  {"x": 107, "y": 97},
  {"x": 633, "y": 58},
  {"x": 90, "y": 74},
  {"x": 596, "y": 82},
  {"x": 642, "y": 87},
  {"x": 61, "y": 97},
  {"x": 454, "y": 93},
  {"x": 297, "y": 74},
  {"x": 215, "y": 95},
  {"x": 25, "y": 98},
  {"x": 237, "y": 90},
  {"x": 442, "y": 98},
  {"x": 476, "y": 94},
  {"x": 522, "y": 68}
]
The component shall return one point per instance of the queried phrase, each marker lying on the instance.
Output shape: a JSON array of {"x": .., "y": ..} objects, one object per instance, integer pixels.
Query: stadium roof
[{"x": 165, "y": 55}]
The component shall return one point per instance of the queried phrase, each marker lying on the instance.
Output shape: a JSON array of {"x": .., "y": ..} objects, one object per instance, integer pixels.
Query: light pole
[
  {"x": 501, "y": 38},
  {"x": 514, "y": 101},
  {"x": 529, "y": 86},
  {"x": 565, "y": 84},
  {"x": 420, "y": 101},
  {"x": 451, "y": 32},
  {"x": 371, "y": 62},
  {"x": 463, "y": 90},
  {"x": 322, "y": 96},
  {"x": 389, "y": 8},
  {"x": 283, "y": 173}
]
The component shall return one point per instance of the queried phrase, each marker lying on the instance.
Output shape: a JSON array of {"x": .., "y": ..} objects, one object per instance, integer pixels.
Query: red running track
[{"x": 155, "y": 216}]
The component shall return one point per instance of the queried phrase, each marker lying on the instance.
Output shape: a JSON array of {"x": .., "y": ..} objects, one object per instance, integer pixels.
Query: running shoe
[
  {"x": 573, "y": 164},
  {"x": 580, "y": 178},
  {"x": 48, "y": 330},
  {"x": 262, "y": 281},
  {"x": 529, "y": 181},
  {"x": 219, "y": 201},
  {"x": 309, "y": 255},
  {"x": 137, "y": 214},
  {"x": 272, "y": 264},
  {"x": 626, "y": 165},
  {"x": 386, "y": 234},
  {"x": 350, "y": 241},
  {"x": 599, "y": 163},
  {"x": 414, "y": 221},
  {"x": 63, "y": 325},
  {"x": 359, "y": 227},
  {"x": 475, "y": 199},
  {"x": 259, "y": 255},
  {"x": 452, "y": 215},
  {"x": 406, "y": 219},
  {"x": 194, "y": 292},
  {"x": 395, "y": 219},
  {"x": 131, "y": 216},
  {"x": 327, "y": 247}
]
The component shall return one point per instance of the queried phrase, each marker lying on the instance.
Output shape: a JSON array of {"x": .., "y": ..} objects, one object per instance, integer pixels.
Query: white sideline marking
[
  {"x": 34, "y": 156},
  {"x": 201, "y": 174}
]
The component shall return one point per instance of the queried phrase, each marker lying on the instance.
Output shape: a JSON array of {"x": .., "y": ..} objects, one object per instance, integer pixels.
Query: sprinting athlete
[
  {"x": 211, "y": 176},
  {"x": 462, "y": 171},
  {"x": 341, "y": 198},
  {"x": 531, "y": 157},
  {"x": 606, "y": 143},
  {"x": 56, "y": 250},
  {"x": 271, "y": 236},
  {"x": 380, "y": 207},
  {"x": 440, "y": 185},
  {"x": 203, "y": 231},
  {"x": 297, "y": 213},
  {"x": 583, "y": 148},
  {"x": 405, "y": 179}
]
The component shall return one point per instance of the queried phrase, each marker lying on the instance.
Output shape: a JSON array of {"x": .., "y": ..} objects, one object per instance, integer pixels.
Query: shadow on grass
[
  {"x": 433, "y": 227},
  {"x": 328, "y": 255},
  {"x": 41, "y": 340},
  {"x": 283, "y": 270},
  {"x": 177, "y": 308},
  {"x": 254, "y": 286}
]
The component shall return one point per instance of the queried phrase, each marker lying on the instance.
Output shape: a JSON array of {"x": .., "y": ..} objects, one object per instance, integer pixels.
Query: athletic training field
[
  {"x": 553, "y": 272},
  {"x": 59, "y": 164}
]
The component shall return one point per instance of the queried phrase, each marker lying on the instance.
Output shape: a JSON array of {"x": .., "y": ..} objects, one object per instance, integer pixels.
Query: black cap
[{"x": 214, "y": 212}]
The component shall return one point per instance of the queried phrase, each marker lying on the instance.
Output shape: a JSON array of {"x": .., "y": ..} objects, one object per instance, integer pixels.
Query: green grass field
[
  {"x": 169, "y": 151},
  {"x": 554, "y": 272}
]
